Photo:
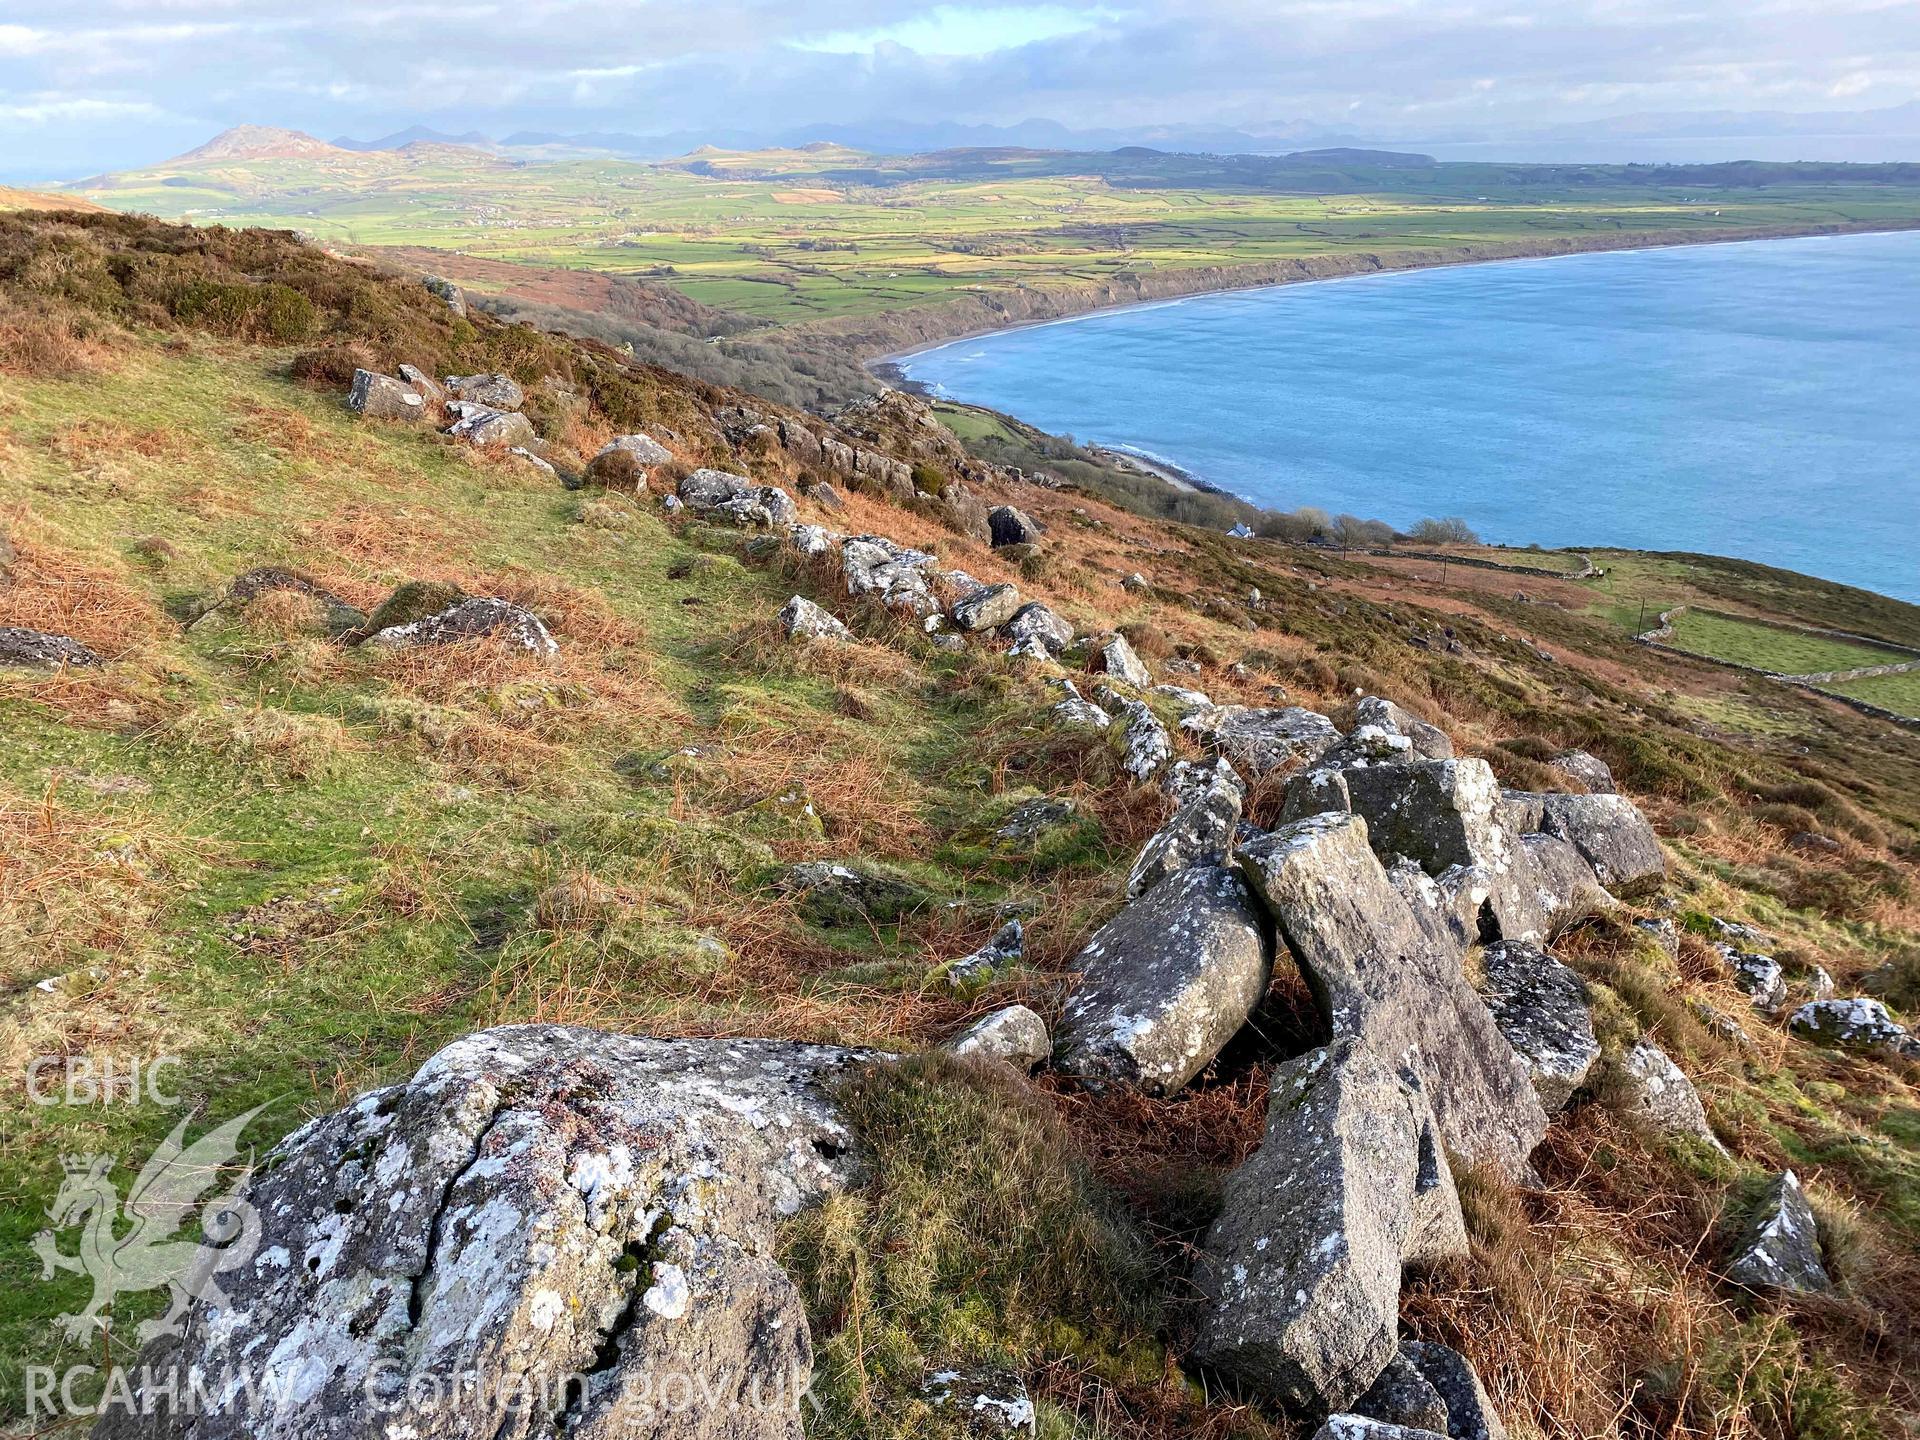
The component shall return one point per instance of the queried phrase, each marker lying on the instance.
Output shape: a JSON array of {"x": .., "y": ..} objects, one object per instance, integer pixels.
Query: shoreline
[{"x": 1321, "y": 269}]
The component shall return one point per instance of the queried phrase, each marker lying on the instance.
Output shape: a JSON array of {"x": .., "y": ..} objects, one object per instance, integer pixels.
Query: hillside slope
[{"x": 303, "y": 864}]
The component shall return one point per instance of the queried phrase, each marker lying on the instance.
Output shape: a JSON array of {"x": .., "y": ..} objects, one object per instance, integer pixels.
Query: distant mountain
[
  {"x": 256, "y": 142},
  {"x": 414, "y": 135}
]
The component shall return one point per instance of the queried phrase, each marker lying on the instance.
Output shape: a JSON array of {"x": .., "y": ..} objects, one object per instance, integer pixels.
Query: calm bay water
[{"x": 1759, "y": 400}]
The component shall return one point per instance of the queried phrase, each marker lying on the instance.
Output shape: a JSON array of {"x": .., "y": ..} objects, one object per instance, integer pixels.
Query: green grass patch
[{"x": 1771, "y": 647}]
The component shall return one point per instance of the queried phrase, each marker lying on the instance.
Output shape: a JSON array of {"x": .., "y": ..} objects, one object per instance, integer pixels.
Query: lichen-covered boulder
[
  {"x": 38, "y": 650},
  {"x": 986, "y": 608},
  {"x": 381, "y": 397},
  {"x": 1116, "y": 657},
  {"x": 1189, "y": 778},
  {"x": 496, "y": 391},
  {"x": 1009, "y": 526},
  {"x": 1385, "y": 974},
  {"x": 1200, "y": 832},
  {"x": 1076, "y": 712},
  {"x": 1013, "y": 1034},
  {"x": 1261, "y": 741},
  {"x": 1758, "y": 977},
  {"x": 836, "y": 894},
  {"x": 482, "y": 425},
  {"x": 1858, "y": 1024},
  {"x": 1145, "y": 745},
  {"x": 1590, "y": 770},
  {"x": 1470, "y": 1414},
  {"x": 1780, "y": 1249},
  {"x": 1612, "y": 836},
  {"x": 481, "y": 618},
  {"x": 1034, "y": 621},
  {"x": 1006, "y": 947},
  {"x": 802, "y": 620},
  {"x": 736, "y": 500},
  {"x": 1300, "y": 1274},
  {"x": 1545, "y": 1012},
  {"x": 1426, "y": 742},
  {"x": 1165, "y": 984},
  {"x": 1360, "y": 1427},
  {"x": 896, "y": 575},
  {"x": 1658, "y": 1092},
  {"x": 548, "y": 1219}
]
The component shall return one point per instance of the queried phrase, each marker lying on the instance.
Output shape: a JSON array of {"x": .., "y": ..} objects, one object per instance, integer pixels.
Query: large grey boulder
[
  {"x": 482, "y": 425},
  {"x": 1590, "y": 770},
  {"x": 1010, "y": 526},
  {"x": 1359, "y": 1427},
  {"x": 1858, "y": 1024},
  {"x": 895, "y": 575},
  {"x": 548, "y": 1219},
  {"x": 1166, "y": 984},
  {"x": 645, "y": 450},
  {"x": 1470, "y": 1414},
  {"x": 1546, "y": 1013},
  {"x": 736, "y": 500},
  {"x": 1189, "y": 778},
  {"x": 1659, "y": 1094},
  {"x": 381, "y": 397},
  {"x": 1034, "y": 621},
  {"x": 1013, "y": 1034},
  {"x": 1200, "y": 832},
  {"x": 1385, "y": 974},
  {"x": 802, "y": 620},
  {"x": 986, "y": 608},
  {"x": 1612, "y": 836},
  {"x": 37, "y": 650},
  {"x": 1301, "y": 1272},
  {"x": 1076, "y": 712},
  {"x": 481, "y": 618},
  {"x": 1261, "y": 741},
  {"x": 1780, "y": 1249},
  {"x": 496, "y": 391},
  {"x": 1116, "y": 658},
  {"x": 1427, "y": 742}
]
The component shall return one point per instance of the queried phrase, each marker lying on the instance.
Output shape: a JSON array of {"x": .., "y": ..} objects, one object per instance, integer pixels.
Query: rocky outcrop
[
  {"x": 1009, "y": 526},
  {"x": 987, "y": 608},
  {"x": 1780, "y": 1249},
  {"x": 38, "y": 650},
  {"x": 801, "y": 619},
  {"x": 1301, "y": 1272},
  {"x": 1424, "y": 741},
  {"x": 1165, "y": 984},
  {"x": 381, "y": 397},
  {"x": 736, "y": 500},
  {"x": 1261, "y": 741},
  {"x": 481, "y": 618},
  {"x": 1659, "y": 1093},
  {"x": 895, "y": 575},
  {"x": 1545, "y": 1012},
  {"x": 495, "y": 391},
  {"x": 1075, "y": 712},
  {"x": 1200, "y": 831},
  {"x": 1034, "y": 621},
  {"x": 1014, "y": 1034},
  {"x": 1858, "y": 1024},
  {"x": 550, "y": 1218},
  {"x": 1611, "y": 835},
  {"x": 1384, "y": 973}
]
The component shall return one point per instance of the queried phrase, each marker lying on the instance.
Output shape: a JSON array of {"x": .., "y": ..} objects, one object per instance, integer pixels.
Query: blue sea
[{"x": 1758, "y": 399}]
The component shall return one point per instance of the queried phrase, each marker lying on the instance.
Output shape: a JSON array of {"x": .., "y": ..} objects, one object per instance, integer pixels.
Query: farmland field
[
  {"x": 1900, "y": 693},
  {"x": 1769, "y": 647},
  {"x": 791, "y": 236}
]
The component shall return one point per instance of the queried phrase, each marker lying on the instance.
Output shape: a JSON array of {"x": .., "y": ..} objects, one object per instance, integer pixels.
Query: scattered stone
[
  {"x": 480, "y": 425},
  {"x": 1758, "y": 977},
  {"x": 735, "y": 499},
  {"x": 836, "y": 894},
  {"x": 476, "y": 619},
  {"x": 1402, "y": 1396},
  {"x": 1136, "y": 582},
  {"x": 538, "y": 1203},
  {"x": 1301, "y": 1272},
  {"x": 340, "y": 616},
  {"x": 429, "y": 388},
  {"x": 1365, "y": 1427},
  {"x": 520, "y": 452},
  {"x": 1819, "y": 982},
  {"x": 496, "y": 391},
  {"x": 1590, "y": 770},
  {"x": 1189, "y": 778},
  {"x": 1261, "y": 741},
  {"x": 1011, "y": 527},
  {"x": 1470, "y": 1414},
  {"x": 1145, "y": 745},
  {"x": 381, "y": 397},
  {"x": 1781, "y": 1247},
  {"x": 1029, "y": 820},
  {"x": 1034, "y": 621},
  {"x": 1201, "y": 830},
  {"x": 826, "y": 497},
  {"x": 36, "y": 649},
  {"x": 1187, "y": 700},
  {"x": 987, "y": 608},
  {"x": 1662, "y": 931},
  {"x": 993, "y": 1405},
  {"x": 1545, "y": 1012},
  {"x": 893, "y": 574},
  {"x": 645, "y": 450},
  {"x": 452, "y": 294},
  {"x": 984, "y": 965},
  {"x": 1077, "y": 713},
  {"x": 1015, "y": 1035},
  {"x": 1165, "y": 984},
  {"x": 1339, "y": 912},
  {"x": 1857, "y": 1024},
  {"x": 1116, "y": 658},
  {"x": 1660, "y": 1093},
  {"x": 801, "y": 619}
]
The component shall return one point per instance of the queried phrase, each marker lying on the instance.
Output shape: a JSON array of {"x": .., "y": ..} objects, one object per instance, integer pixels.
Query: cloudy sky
[{"x": 94, "y": 84}]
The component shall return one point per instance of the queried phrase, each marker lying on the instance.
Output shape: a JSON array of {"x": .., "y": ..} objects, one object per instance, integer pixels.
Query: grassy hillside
[{"x": 301, "y": 866}]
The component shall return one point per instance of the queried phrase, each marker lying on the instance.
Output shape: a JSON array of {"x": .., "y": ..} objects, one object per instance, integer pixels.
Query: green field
[
  {"x": 1769, "y": 647},
  {"x": 804, "y": 235},
  {"x": 1900, "y": 693}
]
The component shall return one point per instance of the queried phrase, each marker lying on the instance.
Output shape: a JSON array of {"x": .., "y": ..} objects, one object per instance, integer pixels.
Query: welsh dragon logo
[{"x": 133, "y": 1246}]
